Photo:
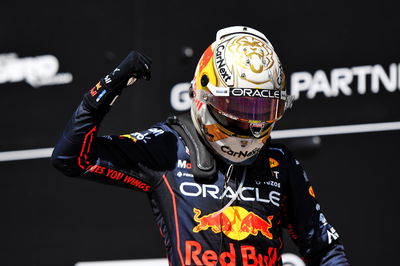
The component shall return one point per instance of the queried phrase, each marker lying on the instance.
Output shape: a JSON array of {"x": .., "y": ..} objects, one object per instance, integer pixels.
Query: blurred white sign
[
  {"x": 345, "y": 81},
  {"x": 179, "y": 96},
  {"x": 37, "y": 71},
  {"x": 288, "y": 259}
]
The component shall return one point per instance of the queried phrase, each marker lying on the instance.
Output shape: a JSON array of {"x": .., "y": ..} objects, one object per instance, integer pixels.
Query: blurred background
[{"x": 342, "y": 63}]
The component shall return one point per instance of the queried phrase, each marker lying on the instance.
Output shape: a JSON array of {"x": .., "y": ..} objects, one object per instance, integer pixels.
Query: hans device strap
[{"x": 203, "y": 163}]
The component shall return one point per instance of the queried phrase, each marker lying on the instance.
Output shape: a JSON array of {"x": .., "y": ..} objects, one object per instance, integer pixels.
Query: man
[{"x": 220, "y": 191}]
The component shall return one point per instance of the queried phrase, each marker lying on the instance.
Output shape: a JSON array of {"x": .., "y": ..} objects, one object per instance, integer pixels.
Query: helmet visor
[
  {"x": 251, "y": 105},
  {"x": 239, "y": 127}
]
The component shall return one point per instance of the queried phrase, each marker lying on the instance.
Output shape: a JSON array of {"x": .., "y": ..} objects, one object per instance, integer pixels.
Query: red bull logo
[
  {"x": 253, "y": 224},
  {"x": 195, "y": 254},
  {"x": 216, "y": 222},
  {"x": 235, "y": 222}
]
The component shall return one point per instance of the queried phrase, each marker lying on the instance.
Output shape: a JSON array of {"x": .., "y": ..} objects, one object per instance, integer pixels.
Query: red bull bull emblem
[
  {"x": 235, "y": 222},
  {"x": 311, "y": 191},
  {"x": 273, "y": 163}
]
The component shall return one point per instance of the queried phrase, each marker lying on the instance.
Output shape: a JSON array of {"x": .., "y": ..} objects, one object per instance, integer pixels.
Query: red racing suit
[{"x": 275, "y": 194}]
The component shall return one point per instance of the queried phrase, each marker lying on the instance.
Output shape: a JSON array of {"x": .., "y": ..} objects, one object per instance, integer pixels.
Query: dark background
[{"x": 49, "y": 219}]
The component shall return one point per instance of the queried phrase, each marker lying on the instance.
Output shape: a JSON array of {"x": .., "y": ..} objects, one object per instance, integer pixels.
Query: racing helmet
[{"x": 238, "y": 93}]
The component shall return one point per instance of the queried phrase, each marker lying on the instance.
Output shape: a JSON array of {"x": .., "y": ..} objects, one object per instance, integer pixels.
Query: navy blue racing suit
[{"x": 275, "y": 194}]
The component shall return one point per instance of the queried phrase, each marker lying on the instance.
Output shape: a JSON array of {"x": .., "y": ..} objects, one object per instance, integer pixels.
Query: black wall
[{"x": 48, "y": 219}]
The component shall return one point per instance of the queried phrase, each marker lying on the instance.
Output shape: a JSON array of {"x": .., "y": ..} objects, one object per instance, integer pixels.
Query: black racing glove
[{"x": 104, "y": 93}]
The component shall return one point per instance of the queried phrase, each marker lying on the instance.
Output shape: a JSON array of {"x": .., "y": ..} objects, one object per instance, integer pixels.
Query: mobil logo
[{"x": 184, "y": 164}]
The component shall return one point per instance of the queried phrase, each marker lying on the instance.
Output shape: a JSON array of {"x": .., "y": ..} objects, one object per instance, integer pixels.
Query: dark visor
[
  {"x": 251, "y": 105},
  {"x": 239, "y": 127}
]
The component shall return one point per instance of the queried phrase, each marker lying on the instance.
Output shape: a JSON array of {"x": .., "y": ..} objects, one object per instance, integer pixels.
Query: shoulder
[
  {"x": 277, "y": 148},
  {"x": 282, "y": 158},
  {"x": 279, "y": 151}
]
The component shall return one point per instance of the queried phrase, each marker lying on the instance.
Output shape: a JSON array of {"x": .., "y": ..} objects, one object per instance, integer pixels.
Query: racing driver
[{"x": 221, "y": 192}]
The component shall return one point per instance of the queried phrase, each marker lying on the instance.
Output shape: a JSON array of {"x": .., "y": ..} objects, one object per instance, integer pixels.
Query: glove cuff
[{"x": 101, "y": 96}]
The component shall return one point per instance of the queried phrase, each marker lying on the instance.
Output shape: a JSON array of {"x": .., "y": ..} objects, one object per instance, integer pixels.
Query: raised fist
[{"x": 104, "y": 93}]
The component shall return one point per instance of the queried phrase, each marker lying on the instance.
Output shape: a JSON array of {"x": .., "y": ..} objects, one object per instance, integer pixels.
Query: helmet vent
[{"x": 204, "y": 80}]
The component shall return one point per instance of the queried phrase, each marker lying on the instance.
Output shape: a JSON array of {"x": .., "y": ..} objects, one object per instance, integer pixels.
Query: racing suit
[{"x": 269, "y": 195}]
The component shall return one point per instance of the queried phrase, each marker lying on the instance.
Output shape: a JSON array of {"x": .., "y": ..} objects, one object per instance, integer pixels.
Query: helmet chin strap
[
  {"x": 203, "y": 163},
  {"x": 239, "y": 189}
]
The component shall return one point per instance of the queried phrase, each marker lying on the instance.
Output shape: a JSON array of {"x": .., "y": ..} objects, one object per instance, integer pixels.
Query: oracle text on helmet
[
  {"x": 191, "y": 189},
  {"x": 346, "y": 81},
  {"x": 262, "y": 93}
]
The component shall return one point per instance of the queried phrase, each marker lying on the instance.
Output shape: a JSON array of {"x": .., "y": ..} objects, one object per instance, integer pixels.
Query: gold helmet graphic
[{"x": 238, "y": 93}]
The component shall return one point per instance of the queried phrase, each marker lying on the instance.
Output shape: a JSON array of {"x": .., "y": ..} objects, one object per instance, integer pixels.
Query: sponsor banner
[
  {"x": 37, "y": 71},
  {"x": 147, "y": 262},
  {"x": 343, "y": 81},
  {"x": 179, "y": 97},
  {"x": 288, "y": 259}
]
